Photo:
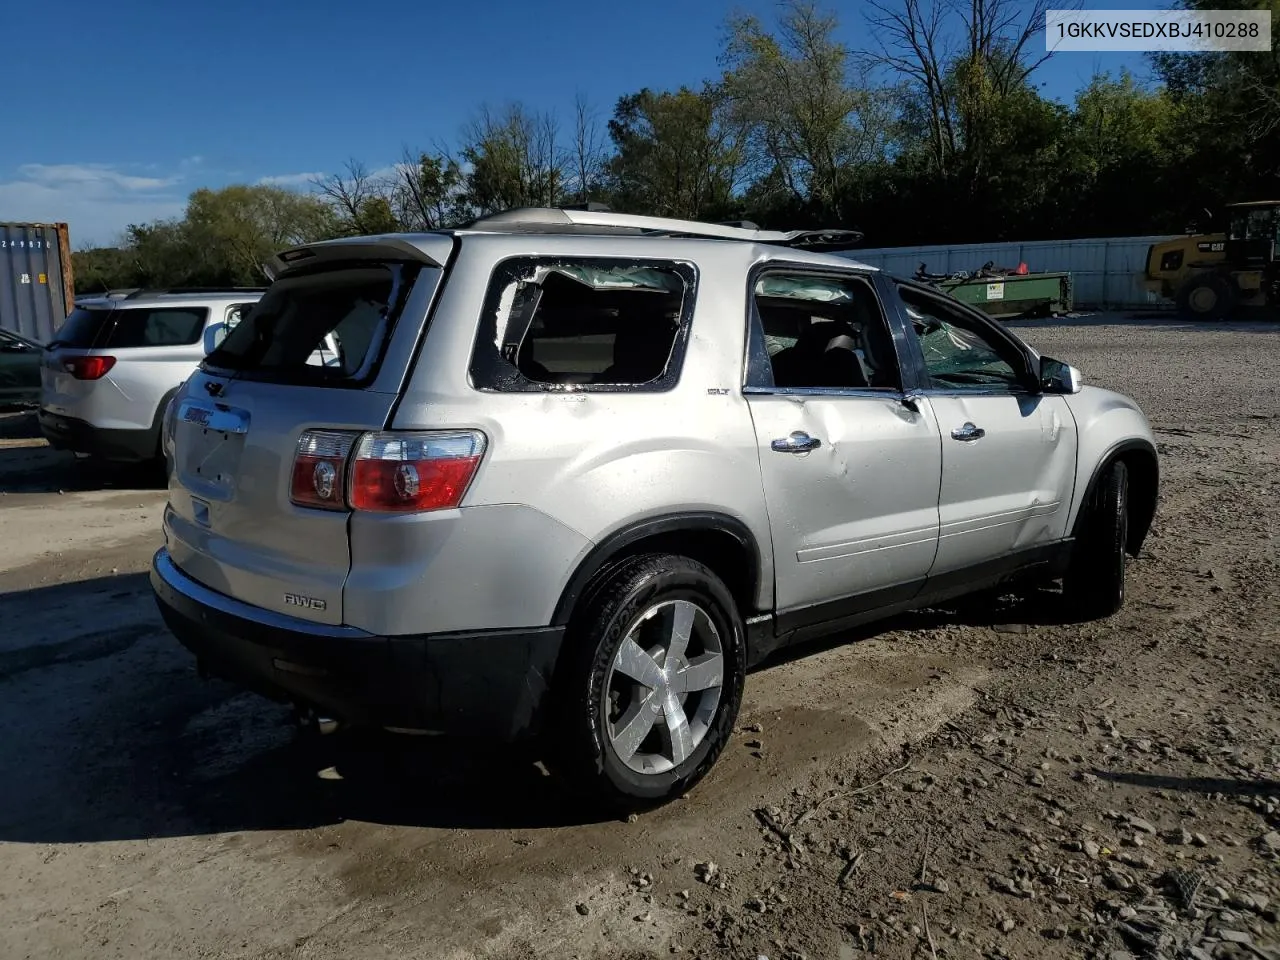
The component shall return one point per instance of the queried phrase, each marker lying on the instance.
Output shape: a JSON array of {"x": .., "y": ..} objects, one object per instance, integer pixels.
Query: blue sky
[{"x": 114, "y": 112}]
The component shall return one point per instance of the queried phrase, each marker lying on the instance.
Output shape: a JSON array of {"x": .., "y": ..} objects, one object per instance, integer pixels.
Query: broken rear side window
[
  {"x": 583, "y": 324},
  {"x": 330, "y": 325}
]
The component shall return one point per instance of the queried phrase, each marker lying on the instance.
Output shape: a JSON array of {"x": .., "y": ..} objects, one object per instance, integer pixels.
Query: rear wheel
[
  {"x": 1207, "y": 296},
  {"x": 1093, "y": 587},
  {"x": 652, "y": 681}
]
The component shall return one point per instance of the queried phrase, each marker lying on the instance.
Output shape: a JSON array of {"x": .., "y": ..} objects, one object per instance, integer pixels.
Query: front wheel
[
  {"x": 652, "y": 681},
  {"x": 1093, "y": 587},
  {"x": 1206, "y": 297}
]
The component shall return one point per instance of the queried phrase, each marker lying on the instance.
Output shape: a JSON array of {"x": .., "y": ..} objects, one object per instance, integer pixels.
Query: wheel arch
[
  {"x": 723, "y": 543},
  {"x": 1143, "y": 465}
]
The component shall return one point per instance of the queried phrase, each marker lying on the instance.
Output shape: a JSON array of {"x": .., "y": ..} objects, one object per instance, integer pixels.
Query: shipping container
[{"x": 36, "y": 286}]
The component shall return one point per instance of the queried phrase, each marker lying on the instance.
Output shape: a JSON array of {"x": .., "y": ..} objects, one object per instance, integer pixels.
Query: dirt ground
[{"x": 959, "y": 783}]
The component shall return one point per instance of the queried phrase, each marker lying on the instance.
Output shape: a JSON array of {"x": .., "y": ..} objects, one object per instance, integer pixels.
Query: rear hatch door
[{"x": 234, "y": 430}]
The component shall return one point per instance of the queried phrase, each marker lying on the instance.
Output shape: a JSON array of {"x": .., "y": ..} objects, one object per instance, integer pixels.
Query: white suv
[
  {"x": 573, "y": 472},
  {"x": 113, "y": 365}
]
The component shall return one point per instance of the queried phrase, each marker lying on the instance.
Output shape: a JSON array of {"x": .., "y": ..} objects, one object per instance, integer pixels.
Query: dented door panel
[
  {"x": 1009, "y": 488},
  {"x": 857, "y": 513}
]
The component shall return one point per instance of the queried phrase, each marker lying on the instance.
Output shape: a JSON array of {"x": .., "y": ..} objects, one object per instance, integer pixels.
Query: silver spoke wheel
[{"x": 663, "y": 687}]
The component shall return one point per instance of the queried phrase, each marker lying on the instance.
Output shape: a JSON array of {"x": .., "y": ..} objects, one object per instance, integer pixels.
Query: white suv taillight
[
  {"x": 392, "y": 472},
  {"x": 320, "y": 469},
  {"x": 401, "y": 472}
]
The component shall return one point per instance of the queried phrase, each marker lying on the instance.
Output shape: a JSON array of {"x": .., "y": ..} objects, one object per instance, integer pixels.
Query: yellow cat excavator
[{"x": 1210, "y": 276}]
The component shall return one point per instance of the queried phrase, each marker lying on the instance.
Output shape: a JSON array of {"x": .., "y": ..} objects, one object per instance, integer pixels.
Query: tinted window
[
  {"x": 958, "y": 353},
  {"x": 588, "y": 324},
  {"x": 821, "y": 332},
  {"x": 142, "y": 327},
  {"x": 328, "y": 325}
]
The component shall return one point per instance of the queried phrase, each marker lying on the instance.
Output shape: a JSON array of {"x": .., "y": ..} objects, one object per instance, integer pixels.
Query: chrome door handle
[
  {"x": 968, "y": 433},
  {"x": 798, "y": 442}
]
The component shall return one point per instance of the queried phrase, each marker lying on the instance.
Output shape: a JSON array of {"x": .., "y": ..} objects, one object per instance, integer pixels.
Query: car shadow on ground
[
  {"x": 122, "y": 740},
  {"x": 1203, "y": 785},
  {"x": 29, "y": 465}
]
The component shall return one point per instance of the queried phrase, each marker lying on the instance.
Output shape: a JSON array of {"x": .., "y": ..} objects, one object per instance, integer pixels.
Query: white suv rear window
[{"x": 117, "y": 329}]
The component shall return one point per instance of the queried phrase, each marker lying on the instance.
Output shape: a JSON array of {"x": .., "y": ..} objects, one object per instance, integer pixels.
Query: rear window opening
[
  {"x": 88, "y": 328},
  {"x": 327, "y": 325},
  {"x": 583, "y": 324}
]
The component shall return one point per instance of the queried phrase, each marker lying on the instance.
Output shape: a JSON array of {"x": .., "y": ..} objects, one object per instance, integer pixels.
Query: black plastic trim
[
  {"x": 1139, "y": 524},
  {"x": 124, "y": 446},
  {"x": 614, "y": 546},
  {"x": 485, "y": 683},
  {"x": 821, "y": 620}
]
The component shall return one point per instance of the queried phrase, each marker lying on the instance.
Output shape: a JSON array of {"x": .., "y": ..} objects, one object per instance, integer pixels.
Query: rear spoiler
[{"x": 382, "y": 247}]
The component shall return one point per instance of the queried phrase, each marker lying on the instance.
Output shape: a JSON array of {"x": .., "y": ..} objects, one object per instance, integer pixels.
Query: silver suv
[
  {"x": 113, "y": 365},
  {"x": 575, "y": 472}
]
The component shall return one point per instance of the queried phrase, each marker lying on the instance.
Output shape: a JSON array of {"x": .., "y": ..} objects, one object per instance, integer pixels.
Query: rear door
[
  {"x": 850, "y": 463},
  {"x": 232, "y": 522}
]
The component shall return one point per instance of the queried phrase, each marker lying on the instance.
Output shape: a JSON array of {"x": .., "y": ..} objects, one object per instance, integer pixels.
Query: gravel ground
[{"x": 958, "y": 783}]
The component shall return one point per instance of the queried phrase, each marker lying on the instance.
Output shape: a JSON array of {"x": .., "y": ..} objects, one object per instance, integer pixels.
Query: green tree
[
  {"x": 677, "y": 154},
  {"x": 236, "y": 229},
  {"x": 514, "y": 160},
  {"x": 812, "y": 133}
]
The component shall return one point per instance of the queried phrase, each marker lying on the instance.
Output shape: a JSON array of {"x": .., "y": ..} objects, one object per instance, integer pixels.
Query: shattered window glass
[
  {"x": 956, "y": 355},
  {"x": 582, "y": 323}
]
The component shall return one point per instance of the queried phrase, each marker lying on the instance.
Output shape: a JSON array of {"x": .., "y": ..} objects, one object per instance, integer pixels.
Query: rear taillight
[
  {"x": 320, "y": 469},
  {"x": 410, "y": 472},
  {"x": 392, "y": 472},
  {"x": 88, "y": 368}
]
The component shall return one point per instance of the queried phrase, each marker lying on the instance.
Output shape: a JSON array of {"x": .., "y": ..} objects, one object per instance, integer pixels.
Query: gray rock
[
  {"x": 1091, "y": 849},
  {"x": 1145, "y": 825},
  {"x": 583, "y": 909},
  {"x": 1235, "y": 936},
  {"x": 1271, "y": 841},
  {"x": 1007, "y": 925},
  {"x": 707, "y": 872}
]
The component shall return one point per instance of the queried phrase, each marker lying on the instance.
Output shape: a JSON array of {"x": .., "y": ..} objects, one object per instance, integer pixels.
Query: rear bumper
[
  {"x": 68, "y": 433},
  {"x": 490, "y": 683}
]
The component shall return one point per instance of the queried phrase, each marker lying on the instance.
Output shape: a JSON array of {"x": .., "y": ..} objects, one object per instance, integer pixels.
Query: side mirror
[{"x": 1059, "y": 377}]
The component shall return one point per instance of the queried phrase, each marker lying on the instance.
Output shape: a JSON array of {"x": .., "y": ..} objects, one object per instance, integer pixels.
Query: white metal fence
[{"x": 1106, "y": 273}]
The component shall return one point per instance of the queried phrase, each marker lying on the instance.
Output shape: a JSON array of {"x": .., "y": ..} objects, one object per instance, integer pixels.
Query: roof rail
[
  {"x": 571, "y": 220},
  {"x": 160, "y": 291}
]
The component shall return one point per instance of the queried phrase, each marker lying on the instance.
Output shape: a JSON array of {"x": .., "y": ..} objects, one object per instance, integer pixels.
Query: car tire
[
  {"x": 612, "y": 733},
  {"x": 1093, "y": 587},
  {"x": 1206, "y": 297}
]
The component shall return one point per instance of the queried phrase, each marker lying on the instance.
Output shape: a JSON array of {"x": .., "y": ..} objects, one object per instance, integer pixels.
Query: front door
[
  {"x": 1008, "y": 452},
  {"x": 850, "y": 466}
]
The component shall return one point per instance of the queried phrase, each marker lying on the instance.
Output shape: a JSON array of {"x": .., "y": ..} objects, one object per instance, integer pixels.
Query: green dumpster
[{"x": 1026, "y": 295}]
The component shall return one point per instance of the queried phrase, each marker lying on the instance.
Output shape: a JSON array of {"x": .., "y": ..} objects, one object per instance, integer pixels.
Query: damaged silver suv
[{"x": 574, "y": 472}]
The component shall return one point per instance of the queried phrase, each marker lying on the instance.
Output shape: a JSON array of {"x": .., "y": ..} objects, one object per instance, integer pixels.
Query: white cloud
[
  {"x": 96, "y": 200},
  {"x": 289, "y": 180}
]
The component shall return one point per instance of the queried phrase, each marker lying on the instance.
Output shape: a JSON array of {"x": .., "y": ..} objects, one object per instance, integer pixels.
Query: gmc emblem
[{"x": 298, "y": 600}]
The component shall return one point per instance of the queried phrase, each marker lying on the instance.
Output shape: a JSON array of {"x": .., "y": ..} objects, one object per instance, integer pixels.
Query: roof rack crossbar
[{"x": 571, "y": 220}]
